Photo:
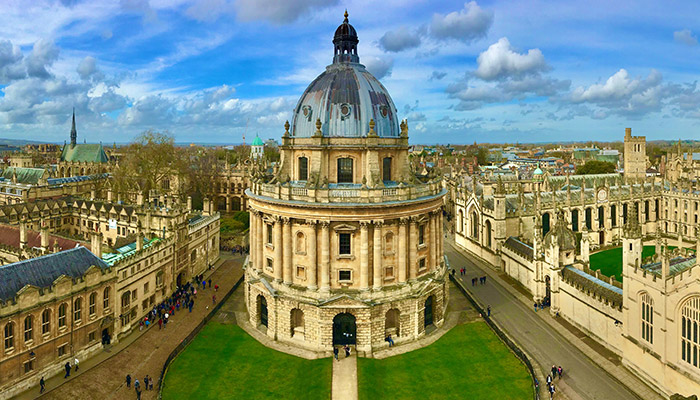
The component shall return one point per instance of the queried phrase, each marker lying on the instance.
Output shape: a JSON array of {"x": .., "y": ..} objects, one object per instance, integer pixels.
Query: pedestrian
[
  {"x": 551, "y": 391},
  {"x": 390, "y": 340},
  {"x": 216, "y": 288},
  {"x": 554, "y": 371},
  {"x": 150, "y": 383},
  {"x": 204, "y": 284},
  {"x": 67, "y": 367},
  {"x": 335, "y": 353},
  {"x": 146, "y": 381},
  {"x": 191, "y": 304},
  {"x": 484, "y": 280},
  {"x": 488, "y": 310},
  {"x": 213, "y": 299},
  {"x": 195, "y": 293},
  {"x": 128, "y": 381},
  {"x": 42, "y": 383},
  {"x": 549, "y": 380},
  {"x": 560, "y": 371},
  {"x": 535, "y": 307},
  {"x": 347, "y": 351},
  {"x": 75, "y": 362},
  {"x": 473, "y": 281},
  {"x": 160, "y": 323},
  {"x": 209, "y": 283},
  {"x": 137, "y": 385}
]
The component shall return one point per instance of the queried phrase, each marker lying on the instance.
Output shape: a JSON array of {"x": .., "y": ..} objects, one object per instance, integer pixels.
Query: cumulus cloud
[
  {"x": 500, "y": 60},
  {"x": 616, "y": 87},
  {"x": 685, "y": 36},
  {"x": 43, "y": 54},
  {"x": 379, "y": 67},
  {"x": 278, "y": 12},
  {"x": 400, "y": 39},
  {"x": 467, "y": 25},
  {"x": 87, "y": 67}
]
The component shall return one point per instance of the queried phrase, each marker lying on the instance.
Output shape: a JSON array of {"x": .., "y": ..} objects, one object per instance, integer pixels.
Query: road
[{"x": 583, "y": 377}]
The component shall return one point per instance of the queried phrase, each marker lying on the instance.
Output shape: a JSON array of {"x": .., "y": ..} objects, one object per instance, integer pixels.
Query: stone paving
[
  {"x": 588, "y": 374},
  {"x": 344, "y": 386},
  {"x": 139, "y": 353}
]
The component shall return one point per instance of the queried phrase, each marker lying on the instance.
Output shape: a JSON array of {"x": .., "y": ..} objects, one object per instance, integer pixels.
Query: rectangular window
[
  {"x": 301, "y": 274},
  {"x": 269, "y": 233},
  {"x": 421, "y": 264},
  {"x": 29, "y": 366},
  {"x": 386, "y": 169},
  {"x": 269, "y": 264},
  {"x": 344, "y": 243},
  {"x": 421, "y": 234},
  {"x": 145, "y": 288},
  {"x": 344, "y": 276},
  {"x": 345, "y": 170},
  {"x": 303, "y": 168},
  {"x": 389, "y": 272},
  {"x": 62, "y": 350},
  {"x": 92, "y": 336}
]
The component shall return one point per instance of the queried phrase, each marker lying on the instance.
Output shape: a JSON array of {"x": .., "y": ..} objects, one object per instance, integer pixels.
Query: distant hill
[{"x": 19, "y": 142}]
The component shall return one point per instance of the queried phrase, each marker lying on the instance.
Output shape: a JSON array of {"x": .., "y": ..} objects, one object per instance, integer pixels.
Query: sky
[{"x": 210, "y": 71}]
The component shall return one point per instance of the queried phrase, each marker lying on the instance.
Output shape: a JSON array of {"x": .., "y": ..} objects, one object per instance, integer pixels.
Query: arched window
[
  {"x": 460, "y": 220},
  {"x": 613, "y": 215},
  {"x": 389, "y": 243},
  {"x": 574, "y": 220},
  {"x": 303, "y": 168},
  {"x": 301, "y": 243},
  {"x": 105, "y": 301},
  {"x": 690, "y": 318},
  {"x": 488, "y": 233},
  {"x": 545, "y": 223},
  {"x": 9, "y": 336},
  {"x": 601, "y": 217},
  {"x": 386, "y": 169},
  {"x": 647, "y": 304},
  {"x": 126, "y": 299},
  {"x": 77, "y": 309},
  {"x": 345, "y": 170},
  {"x": 297, "y": 321},
  {"x": 62, "y": 315},
  {"x": 91, "y": 303},
  {"x": 46, "y": 321},
  {"x": 475, "y": 226},
  {"x": 391, "y": 323},
  {"x": 589, "y": 219},
  {"x": 28, "y": 328}
]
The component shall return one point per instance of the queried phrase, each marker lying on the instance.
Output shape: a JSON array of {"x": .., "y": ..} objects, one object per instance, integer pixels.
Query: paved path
[
  {"x": 344, "y": 386},
  {"x": 545, "y": 343},
  {"x": 140, "y": 353}
]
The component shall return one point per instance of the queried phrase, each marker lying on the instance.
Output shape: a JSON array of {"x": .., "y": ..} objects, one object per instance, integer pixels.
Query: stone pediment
[{"x": 344, "y": 301}]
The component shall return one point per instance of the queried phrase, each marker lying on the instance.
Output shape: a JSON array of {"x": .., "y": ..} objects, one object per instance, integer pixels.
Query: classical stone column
[
  {"x": 259, "y": 234},
  {"x": 401, "y": 256},
  {"x": 433, "y": 239},
  {"x": 311, "y": 275},
  {"x": 441, "y": 236},
  {"x": 278, "y": 249},
  {"x": 325, "y": 256},
  {"x": 413, "y": 250},
  {"x": 377, "y": 256},
  {"x": 364, "y": 255},
  {"x": 252, "y": 239},
  {"x": 287, "y": 251}
]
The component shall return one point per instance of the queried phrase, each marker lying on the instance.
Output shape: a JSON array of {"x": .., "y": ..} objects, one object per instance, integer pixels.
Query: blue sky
[{"x": 487, "y": 71}]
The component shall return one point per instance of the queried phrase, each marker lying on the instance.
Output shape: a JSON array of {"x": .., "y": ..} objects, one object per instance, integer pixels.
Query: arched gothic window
[
  {"x": 301, "y": 243},
  {"x": 690, "y": 318},
  {"x": 647, "y": 304}
]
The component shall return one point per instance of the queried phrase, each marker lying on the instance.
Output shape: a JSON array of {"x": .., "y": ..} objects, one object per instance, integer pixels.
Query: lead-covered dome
[{"x": 345, "y": 97}]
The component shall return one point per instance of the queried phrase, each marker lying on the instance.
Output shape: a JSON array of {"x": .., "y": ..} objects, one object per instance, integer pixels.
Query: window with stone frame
[
  {"x": 386, "y": 169},
  {"x": 269, "y": 233},
  {"x": 421, "y": 264},
  {"x": 303, "y": 168},
  {"x": 344, "y": 244},
  {"x": 345, "y": 276},
  {"x": 62, "y": 350},
  {"x": 77, "y": 310},
  {"x": 28, "y": 366},
  {"x": 269, "y": 264},
  {"x": 301, "y": 272},
  {"x": 421, "y": 234},
  {"x": 389, "y": 243},
  {"x": 92, "y": 300},
  {"x": 647, "y": 305},
  {"x": 62, "y": 309},
  {"x": 28, "y": 328},
  {"x": 46, "y": 321},
  {"x": 105, "y": 298},
  {"x": 9, "y": 335},
  {"x": 690, "y": 342},
  {"x": 345, "y": 170},
  {"x": 388, "y": 272}
]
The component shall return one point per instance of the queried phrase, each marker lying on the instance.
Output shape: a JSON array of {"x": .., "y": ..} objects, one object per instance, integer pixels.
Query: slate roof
[
  {"x": 519, "y": 247},
  {"x": 24, "y": 175},
  {"x": 592, "y": 285},
  {"x": 9, "y": 235},
  {"x": 84, "y": 153},
  {"x": 43, "y": 271}
]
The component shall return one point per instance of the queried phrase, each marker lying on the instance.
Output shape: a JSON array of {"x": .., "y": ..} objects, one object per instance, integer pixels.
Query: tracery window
[
  {"x": 647, "y": 304},
  {"x": 690, "y": 318}
]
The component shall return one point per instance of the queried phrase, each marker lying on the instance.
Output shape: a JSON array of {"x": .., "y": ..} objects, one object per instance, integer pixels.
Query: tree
[
  {"x": 151, "y": 162},
  {"x": 595, "y": 167}
]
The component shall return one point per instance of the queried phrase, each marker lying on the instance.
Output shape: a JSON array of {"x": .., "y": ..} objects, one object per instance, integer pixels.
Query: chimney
[
  {"x": 189, "y": 203},
  {"x": 56, "y": 248},
  {"x": 96, "y": 244},
  {"x": 139, "y": 241},
  {"x": 22, "y": 235},
  {"x": 139, "y": 199},
  {"x": 628, "y": 132},
  {"x": 93, "y": 194},
  {"x": 109, "y": 195},
  {"x": 206, "y": 207},
  {"x": 44, "y": 239}
]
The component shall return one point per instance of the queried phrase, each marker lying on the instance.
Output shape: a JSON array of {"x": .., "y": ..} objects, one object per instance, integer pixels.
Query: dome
[
  {"x": 345, "y": 97},
  {"x": 257, "y": 141}
]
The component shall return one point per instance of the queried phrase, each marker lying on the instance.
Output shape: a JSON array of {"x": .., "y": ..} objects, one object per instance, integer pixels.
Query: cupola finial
[{"x": 346, "y": 16}]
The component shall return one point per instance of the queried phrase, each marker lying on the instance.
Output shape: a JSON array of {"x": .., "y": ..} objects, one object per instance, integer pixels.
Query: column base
[
  {"x": 325, "y": 289},
  {"x": 313, "y": 287},
  {"x": 364, "y": 289}
]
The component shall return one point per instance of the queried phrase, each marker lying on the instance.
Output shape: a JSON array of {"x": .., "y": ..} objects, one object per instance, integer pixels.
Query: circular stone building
[{"x": 346, "y": 242}]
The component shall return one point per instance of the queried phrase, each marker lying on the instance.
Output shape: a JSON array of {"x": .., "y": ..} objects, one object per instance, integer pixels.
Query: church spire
[{"x": 73, "y": 132}]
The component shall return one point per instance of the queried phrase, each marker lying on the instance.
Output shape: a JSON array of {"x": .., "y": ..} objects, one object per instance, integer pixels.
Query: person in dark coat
[
  {"x": 42, "y": 383},
  {"x": 67, "y": 367},
  {"x": 128, "y": 381}
]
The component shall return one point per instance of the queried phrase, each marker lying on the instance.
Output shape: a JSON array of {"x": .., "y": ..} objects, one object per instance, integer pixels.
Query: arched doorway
[
  {"x": 391, "y": 323},
  {"x": 428, "y": 311},
  {"x": 262, "y": 310},
  {"x": 179, "y": 279},
  {"x": 344, "y": 329}
]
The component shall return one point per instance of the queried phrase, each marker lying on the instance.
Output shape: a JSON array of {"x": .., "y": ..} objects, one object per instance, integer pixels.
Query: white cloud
[
  {"x": 400, "y": 39},
  {"x": 619, "y": 85},
  {"x": 209, "y": 10},
  {"x": 465, "y": 25},
  {"x": 276, "y": 11},
  {"x": 87, "y": 67},
  {"x": 379, "y": 67},
  {"x": 43, "y": 54},
  {"x": 685, "y": 36},
  {"x": 500, "y": 60}
]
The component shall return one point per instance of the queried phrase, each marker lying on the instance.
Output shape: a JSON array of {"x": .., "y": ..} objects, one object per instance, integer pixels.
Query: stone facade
[{"x": 346, "y": 244}]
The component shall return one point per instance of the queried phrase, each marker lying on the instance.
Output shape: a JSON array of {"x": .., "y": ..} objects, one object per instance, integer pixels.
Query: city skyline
[{"x": 206, "y": 71}]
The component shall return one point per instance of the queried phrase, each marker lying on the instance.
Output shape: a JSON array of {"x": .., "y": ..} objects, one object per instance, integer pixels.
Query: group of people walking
[
  {"x": 557, "y": 373},
  {"x": 336, "y": 350},
  {"x": 147, "y": 385}
]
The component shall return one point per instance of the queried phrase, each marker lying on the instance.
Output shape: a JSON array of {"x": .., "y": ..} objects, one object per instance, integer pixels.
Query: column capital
[
  {"x": 311, "y": 222},
  {"x": 364, "y": 224},
  {"x": 378, "y": 223},
  {"x": 324, "y": 224},
  {"x": 286, "y": 220},
  {"x": 403, "y": 220}
]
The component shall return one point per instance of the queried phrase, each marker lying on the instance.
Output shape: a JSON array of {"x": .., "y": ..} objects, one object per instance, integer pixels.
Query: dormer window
[
  {"x": 306, "y": 110},
  {"x": 384, "y": 110},
  {"x": 345, "y": 110}
]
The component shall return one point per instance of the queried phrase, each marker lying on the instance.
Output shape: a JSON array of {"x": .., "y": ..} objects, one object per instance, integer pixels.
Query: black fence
[
  {"x": 192, "y": 334},
  {"x": 504, "y": 338}
]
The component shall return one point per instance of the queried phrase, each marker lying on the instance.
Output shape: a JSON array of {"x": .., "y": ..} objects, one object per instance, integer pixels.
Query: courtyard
[{"x": 609, "y": 261}]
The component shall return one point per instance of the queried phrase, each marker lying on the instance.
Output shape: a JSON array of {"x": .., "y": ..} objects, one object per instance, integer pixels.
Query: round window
[
  {"x": 345, "y": 110},
  {"x": 385, "y": 111}
]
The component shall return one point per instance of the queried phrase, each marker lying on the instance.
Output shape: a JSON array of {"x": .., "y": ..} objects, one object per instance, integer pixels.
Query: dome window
[
  {"x": 384, "y": 110},
  {"x": 307, "y": 112},
  {"x": 345, "y": 110}
]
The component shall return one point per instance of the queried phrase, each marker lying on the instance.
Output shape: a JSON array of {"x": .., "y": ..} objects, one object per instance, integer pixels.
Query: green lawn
[
  {"x": 224, "y": 362},
  {"x": 468, "y": 362},
  {"x": 609, "y": 262}
]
